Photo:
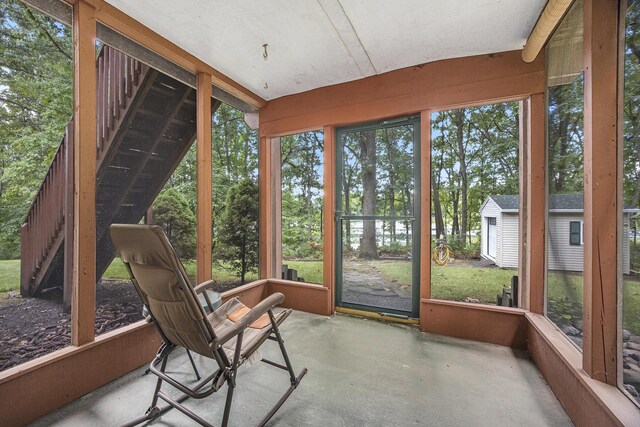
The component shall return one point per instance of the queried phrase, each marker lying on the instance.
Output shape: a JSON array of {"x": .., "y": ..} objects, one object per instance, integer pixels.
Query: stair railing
[{"x": 118, "y": 78}]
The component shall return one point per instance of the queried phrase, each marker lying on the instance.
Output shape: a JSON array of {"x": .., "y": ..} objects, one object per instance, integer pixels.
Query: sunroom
[{"x": 337, "y": 152}]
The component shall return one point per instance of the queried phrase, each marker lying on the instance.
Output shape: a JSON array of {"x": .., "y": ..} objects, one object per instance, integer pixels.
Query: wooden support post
[
  {"x": 68, "y": 220},
  {"x": 425, "y": 207},
  {"x": 84, "y": 141},
  {"x": 204, "y": 173},
  {"x": 148, "y": 216},
  {"x": 534, "y": 272},
  {"x": 267, "y": 250},
  {"x": 329, "y": 225},
  {"x": 276, "y": 207},
  {"x": 523, "y": 294},
  {"x": 600, "y": 316},
  {"x": 264, "y": 153},
  {"x": 622, "y": 28}
]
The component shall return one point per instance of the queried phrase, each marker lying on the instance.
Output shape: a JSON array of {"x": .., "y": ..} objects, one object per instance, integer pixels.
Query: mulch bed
[{"x": 32, "y": 327}]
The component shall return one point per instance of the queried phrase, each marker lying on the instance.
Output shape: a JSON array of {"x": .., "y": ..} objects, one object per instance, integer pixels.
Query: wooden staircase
[{"x": 146, "y": 123}]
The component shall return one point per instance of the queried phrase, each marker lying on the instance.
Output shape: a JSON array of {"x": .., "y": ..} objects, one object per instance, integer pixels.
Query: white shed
[{"x": 565, "y": 242}]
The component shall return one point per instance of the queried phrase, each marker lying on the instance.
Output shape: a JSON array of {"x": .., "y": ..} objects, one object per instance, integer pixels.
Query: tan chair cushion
[{"x": 240, "y": 312}]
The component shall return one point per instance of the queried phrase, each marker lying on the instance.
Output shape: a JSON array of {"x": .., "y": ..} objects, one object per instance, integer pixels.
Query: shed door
[{"x": 491, "y": 237}]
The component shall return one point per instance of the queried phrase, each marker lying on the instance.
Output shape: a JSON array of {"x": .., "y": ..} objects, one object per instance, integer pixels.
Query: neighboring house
[{"x": 565, "y": 242}]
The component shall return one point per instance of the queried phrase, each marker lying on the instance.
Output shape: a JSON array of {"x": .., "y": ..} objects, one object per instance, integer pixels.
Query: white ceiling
[{"x": 315, "y": 43}]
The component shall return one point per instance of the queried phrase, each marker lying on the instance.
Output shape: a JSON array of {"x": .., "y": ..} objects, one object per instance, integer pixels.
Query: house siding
[
  {"x": 626, "y": 245},
  {"x": 509, "y": 236},
  {"x": 560, "y": 254},
  {"x": 571, "y": 258}
]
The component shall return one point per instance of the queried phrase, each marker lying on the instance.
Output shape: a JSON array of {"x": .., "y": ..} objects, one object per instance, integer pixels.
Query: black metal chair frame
[{"x": 227, "y": 369}]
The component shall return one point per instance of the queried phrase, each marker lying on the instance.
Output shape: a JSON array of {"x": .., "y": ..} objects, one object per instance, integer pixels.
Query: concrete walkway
[
  {"x": 361, "y": 373},
  {"x": 363, "y": 283}
]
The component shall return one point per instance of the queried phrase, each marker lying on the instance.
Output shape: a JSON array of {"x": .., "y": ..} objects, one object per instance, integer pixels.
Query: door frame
[
  {"x": 495, "y": 237},
  {"x": 413, "y": 120}
]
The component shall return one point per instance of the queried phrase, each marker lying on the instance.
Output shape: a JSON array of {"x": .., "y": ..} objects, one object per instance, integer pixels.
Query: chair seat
[{"x": 231, "y": 312}]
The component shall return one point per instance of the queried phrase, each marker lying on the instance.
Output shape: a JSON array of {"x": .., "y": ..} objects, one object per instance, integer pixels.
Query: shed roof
[{"x": 557, "y": 202}]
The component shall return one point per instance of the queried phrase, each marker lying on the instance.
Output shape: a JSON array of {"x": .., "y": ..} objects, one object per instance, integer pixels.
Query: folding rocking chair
[{"x": 230, "y": 334}]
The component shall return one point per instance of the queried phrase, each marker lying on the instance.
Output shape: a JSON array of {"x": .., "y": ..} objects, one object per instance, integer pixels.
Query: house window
[
  {"x": 492, "y": 221},
  {"x": 576, "y": 235}
]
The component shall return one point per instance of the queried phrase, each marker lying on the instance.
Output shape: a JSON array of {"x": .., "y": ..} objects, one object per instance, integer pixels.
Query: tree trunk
[
  {"x": 243, "y": 269},
  {"x": 368, "y": 161},
  {"x": 346, "y": 185},
  {"x": 459, "y": 122},
  {"x": 455, "y": 224},
  {"x": 636, "y": 137},
  {"x": 437, "y": 207},
  {"x": 392, "y": 184},
  {"x": 392, "y": 213}
]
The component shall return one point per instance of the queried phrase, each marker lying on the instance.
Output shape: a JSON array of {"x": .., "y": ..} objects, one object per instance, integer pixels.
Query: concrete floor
[{"x": 361, "y": 373}]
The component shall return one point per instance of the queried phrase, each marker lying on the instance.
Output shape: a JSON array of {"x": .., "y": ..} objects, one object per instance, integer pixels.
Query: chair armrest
[
  {"x": 204, "y": 286},
  {"x": 201, "y": 289},
  {"x": 261, "y": 308}
]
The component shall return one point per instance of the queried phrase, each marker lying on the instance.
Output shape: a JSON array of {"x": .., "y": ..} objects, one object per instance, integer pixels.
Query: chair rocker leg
[
  {"x": 295, "y": 380},
  {"x": 154, "y": 410},
  {"x": 193, "y": 365},
  {"x": 231, "y": 380}
]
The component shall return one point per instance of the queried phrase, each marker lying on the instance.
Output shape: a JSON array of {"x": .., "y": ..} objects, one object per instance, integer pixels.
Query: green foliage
[
  {"x": 474, "y": 155},
  {"x": 239, "y": 228},
  {"x": 396, "y": 248},
  {"x": 302, "y": 195},
  {"x": 462, "y": 250},
  {"x": 234, "y": 157},
  {"x": 630, "y": 105},
  {"x": 566, "y": 137},
  {"x": 393, "y": 171},
  {"x": 117, "y": 270},
  {"x": 171, "y": 211},
  {"x": 36, "y": 102}
]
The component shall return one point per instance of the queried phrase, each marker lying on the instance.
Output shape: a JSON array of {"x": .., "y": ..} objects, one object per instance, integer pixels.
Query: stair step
[
  {"x": 135, "y": 165},
  {"x": 182, "y": 122},
  {"x": 149, "y": 113},
  {"x": 164, "y": 89},
  {"x": 137, "y": 134}
]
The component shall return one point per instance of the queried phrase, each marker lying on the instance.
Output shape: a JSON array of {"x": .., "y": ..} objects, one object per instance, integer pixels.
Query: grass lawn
[
  {"x": 220, "y": 272},
  {"x": 449, "y": 283},
  {"x": 310, "y": 271},
  {"x": 457, "y": 283},
  {"x": 9, "y": 275}
]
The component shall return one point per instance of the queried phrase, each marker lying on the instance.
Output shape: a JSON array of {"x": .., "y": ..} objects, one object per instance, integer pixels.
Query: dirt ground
[{"x": 32, "y": 327}]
